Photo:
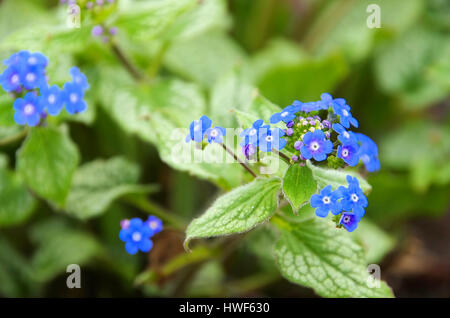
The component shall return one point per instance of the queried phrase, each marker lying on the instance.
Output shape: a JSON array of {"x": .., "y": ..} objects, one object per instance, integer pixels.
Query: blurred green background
[{"x": 208, "y": 57}]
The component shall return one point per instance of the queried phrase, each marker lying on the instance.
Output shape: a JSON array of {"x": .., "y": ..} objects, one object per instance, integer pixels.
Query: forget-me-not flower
[
  {"x": 353, "y": 199},
  {"x": 271, "y": 139},
  {"x": 28, "y": 110},
  {"x": 349, "y": 220},
  {"x": 316, "y": 146},
  {"x": 326, "y": 201},
  {"x": 198, "y": 128},
  {"x": 136, "y": 235},
  {"x": 287, "y": 114}
]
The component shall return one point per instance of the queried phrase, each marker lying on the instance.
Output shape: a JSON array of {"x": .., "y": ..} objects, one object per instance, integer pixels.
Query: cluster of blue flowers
[
  {"x": 25, "y": 74},
  {"x": 88, "y": 4},
  {"x": 137, "y": 234},
  {"x": 201, "y": 129},
  {"x": 349, "y": 201},
  {"x": 309, "y": 137}
]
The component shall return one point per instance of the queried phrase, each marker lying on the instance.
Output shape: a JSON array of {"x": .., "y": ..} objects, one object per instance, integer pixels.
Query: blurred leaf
[
  {"x": 298, "y": 186},
  {"x": 394, "y": 200},
  {"x": 204, "y": 58},
  {"x": 207, "y": 281},
  {"x": 16, "y": 203},
  {"x": 421, "y": 146},
  {"x": 15, "y": 272},
  {"x": 336, "y": 178},
  {"x": 410, "y": 77},
  {"x": 304, "y": 81},
  {"x": 146, "y": 20},
  {"x": 316, "y": 254},
  {"x": 237, "y": 211},
  {"x": 279, "y": 52},
  {"x": 60, "y": 246},
  {"x": 97, "y": 184},
  {"x": 6, "y": 110},
  {"x": 376, "y": 242},
  {"x": 47, "y": 161}
]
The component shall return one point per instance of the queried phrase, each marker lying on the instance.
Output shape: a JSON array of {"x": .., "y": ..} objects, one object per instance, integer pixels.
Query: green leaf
[
  {"x": 16, "y": 203},
  {"x": 204, "y": 58},
  {"x": 336, "y": 178},
  {"x": 97, "y": 184},
  {"x": 159, "y": 116},
  {"x": 238, "y": 211},
  {"x": 316, "y": 254},
  {"x": 376, "y": 242},
  {"x": 303, "y": 81},
  {"x": 59, "y": 246},
  {"x": 47, "y": 161},
  {"x": 6, "y": 110},
  {"x": 298, "y": 186}
]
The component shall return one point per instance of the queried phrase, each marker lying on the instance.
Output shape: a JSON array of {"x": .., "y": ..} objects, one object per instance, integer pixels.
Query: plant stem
[
  {"x": 246, "y": 167},
  {"x": 282, "y": 156},
  {"x": 148, "y": 206},
  {"x": 125, "y": 62}
]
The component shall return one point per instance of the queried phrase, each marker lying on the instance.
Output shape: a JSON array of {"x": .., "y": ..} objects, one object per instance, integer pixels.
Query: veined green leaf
[
  {"x": 97, "y": 184},
  {"x": 47, "y": 161},
  {"x": 238, "y": 211},
  {"x": 298, "y": 186},
  {"x": 316, "y": 254}
]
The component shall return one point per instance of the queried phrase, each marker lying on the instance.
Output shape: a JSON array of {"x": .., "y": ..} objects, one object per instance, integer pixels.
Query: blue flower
[
  {"x": 73, "y": 98},
  {"x": 198, "y": 128},
  {"x": 316, "y": 146},
  {"x": 28, "y": 110},
  {"x": 32, "y": 77},
  {"x": 368, "y": 152},
  {"x": 79, "y": 78},
  {"x": 271, "y": 139},
  {"x": 311, "y": 107},
  {"x": 155, "y": 224},
  {"x": 327, "y": 101},
  {"x": 251, "y": 135},
  {"x": 287, "y": 114},
  {"x": 346, "y": 117},
  {"x": 349, "y": 153},
  {"x": 10, "y": 79},
  {"x": 51, "y": 98},
  {"x": 349, "y": 221},
  {"x": 136, "y": 235},
  {"x": 215, "y": 134},
  {"x": 345, "y": 137},
  {"x": 353, "y": 199},
  {"x": 326, "y": 201}
]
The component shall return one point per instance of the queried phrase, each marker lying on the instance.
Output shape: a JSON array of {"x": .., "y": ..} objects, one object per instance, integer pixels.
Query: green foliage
[
  {"x": 237, "y": 211},
  {"x": 97, "y": 184},
  {"x": 298, "y": 186},
  {"x": 46, "y": 162},
  {"x": 315, "y": 254}
]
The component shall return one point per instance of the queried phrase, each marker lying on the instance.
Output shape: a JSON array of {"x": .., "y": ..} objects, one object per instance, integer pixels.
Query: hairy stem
[
  {"x": 282, "y": 156},
  {"x": 246, "y": 167},
  {"x": 126, "y": 62}
]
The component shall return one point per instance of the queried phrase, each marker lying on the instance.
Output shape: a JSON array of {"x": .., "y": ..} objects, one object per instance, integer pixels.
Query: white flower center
[
  {"x": 14, "y": 78},
  {"x": 214, "y": 133},
  {"x": 344, "y": 153},
  {"x": 252, "y": 132},
  {"x": 354, "y": 197},
  {"x": 136, "y": 236},
  {"x": 196, "y": 127},
  {"x": 32, "y": 60},
  {"x": 73, "y": 98},
  {"x": 346, "y": 134},
  {"x": 28, "y": 109},
  {"x": 153, "y": 225},
  {"x": 77, "y": 79},
  {"x": 346, "y": 219},
  {"x": 51, "y": 98},
  {"x": 345, "y": 113},
  {"x": 315, "y": 146},
  {"x": 30, "y": 77},
  {"x": 284, "y": 114},
  {"x": 269, "y": 138},
  {"x": 326, "y": 200}
]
